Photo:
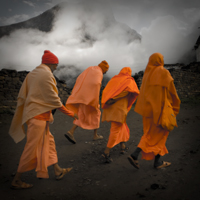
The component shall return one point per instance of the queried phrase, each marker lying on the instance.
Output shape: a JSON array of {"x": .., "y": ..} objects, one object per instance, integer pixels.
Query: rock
[{"x": 154, "y": 186}]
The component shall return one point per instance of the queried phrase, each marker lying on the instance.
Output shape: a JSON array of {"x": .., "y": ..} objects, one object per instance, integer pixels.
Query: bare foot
[
  {"x": 98, "y": 137},
  {"x": 70, "y": 137}
]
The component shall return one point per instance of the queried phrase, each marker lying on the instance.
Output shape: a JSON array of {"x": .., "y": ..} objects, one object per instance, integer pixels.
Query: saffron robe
[
  {"x": 84, "y": 99},
  {"x": 40, "y": 150},
  {"x": 156, "y": 82},
  {"x": 38, "y": 94},
  {"x": 124, "y": 90},
  {"x": 37, "y": 97}
]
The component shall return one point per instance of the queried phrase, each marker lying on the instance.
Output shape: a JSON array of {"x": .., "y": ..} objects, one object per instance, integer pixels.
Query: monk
[
  {"x": 38, "y": 95},
  {"x": 84, "y": 100},
  {"x": 156, "y": 82},
  {"x": 117, "y": 99}
]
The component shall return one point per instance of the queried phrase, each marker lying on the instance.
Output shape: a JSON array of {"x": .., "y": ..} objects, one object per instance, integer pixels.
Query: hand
[
  {"x": 110, "y": 101},
  {"x": 75, "y": 116}
]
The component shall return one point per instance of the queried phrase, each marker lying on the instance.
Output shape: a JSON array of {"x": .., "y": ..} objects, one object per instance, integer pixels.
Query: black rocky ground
[{"x": 91, "y": 179}]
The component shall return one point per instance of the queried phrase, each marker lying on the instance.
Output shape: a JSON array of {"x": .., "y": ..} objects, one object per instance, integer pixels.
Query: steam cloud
[{"x": 85, "y": 34}]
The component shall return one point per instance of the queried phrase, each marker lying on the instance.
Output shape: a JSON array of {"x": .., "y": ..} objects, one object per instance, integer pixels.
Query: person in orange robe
[
  {"x": 38, "y": 95},
  {"x": 117, "y": 99},
  {"x": 156, "y": 82},
  {"x": 84, "y": 100}
]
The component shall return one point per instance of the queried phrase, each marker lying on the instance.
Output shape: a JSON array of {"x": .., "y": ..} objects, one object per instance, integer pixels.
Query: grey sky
[
  {"x": 169, "y": 27},
  {"x": 136, "y": 14}
]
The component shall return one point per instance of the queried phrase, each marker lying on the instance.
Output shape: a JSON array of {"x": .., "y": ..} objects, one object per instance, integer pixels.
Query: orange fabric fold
[
  {"x": 155, "y": 81},
  {"x": 123, "y": 89},
  {"x": 119, "y": 132},
  {"x": 44, "y": 116},
  {"x": 47, "y": 116},
  {"x": 33, "y": 101},
  {"x": 84, "y": 99},
  {"x": 153, "y": 140},
  {"x": 39, "y": 151},
  {"x": 88, "y": 117},
  {"x": 119, "y": 83}
]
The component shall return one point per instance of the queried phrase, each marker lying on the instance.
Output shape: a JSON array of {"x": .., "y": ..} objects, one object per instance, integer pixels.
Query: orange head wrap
[
  {"x": 49, "y": 58},
  {"x": 156, "y": 59},
  {"x": 126, "y": 71},
  {"x": 104, "y": 66}
]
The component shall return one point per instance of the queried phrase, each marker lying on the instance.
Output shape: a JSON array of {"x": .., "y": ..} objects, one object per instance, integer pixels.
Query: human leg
[
  {"x": 156, "y": 161},
  {"x": 160, "y": 164},
  {"x": 18, "y": 184},
  {"x": 106, "y": 155},
  {"x": 60, "y": 172},
  {"x": 96, "y": 136},
  {"x": 53, "y": 159},
  {"x": 123, "y": 148},
  {"x": 133, "y": 158},
  {"x": 136, "y": 153},
  {"x": 70, "y": 134},
  {"x": 74, "y": 127}
]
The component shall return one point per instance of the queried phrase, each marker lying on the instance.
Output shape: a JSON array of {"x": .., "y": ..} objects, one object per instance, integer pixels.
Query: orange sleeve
[{"x": 64, "y": 110}]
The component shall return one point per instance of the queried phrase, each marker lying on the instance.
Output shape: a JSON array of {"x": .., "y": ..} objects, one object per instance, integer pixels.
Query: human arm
[
  {"x": 64, "y": 110},
  {"x": 116, "y": 98}
]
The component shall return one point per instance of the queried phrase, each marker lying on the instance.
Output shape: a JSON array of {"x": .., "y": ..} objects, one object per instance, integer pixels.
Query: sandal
[
  {"x": 107, "y": 157},
  {"x": 65, "y": 170},
  {"x": 124, "y": 150},
  {"x": 21, "y": 185},
  {"x": 100, "y": 137},
  {"x": 164, "y": 164},
  {"x": 70, "y": 137},
  {"x": 133, "y": 162}
]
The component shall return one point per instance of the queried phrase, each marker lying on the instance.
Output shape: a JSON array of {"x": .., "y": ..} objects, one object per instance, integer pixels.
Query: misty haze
[{"x": 83, "y": 35}]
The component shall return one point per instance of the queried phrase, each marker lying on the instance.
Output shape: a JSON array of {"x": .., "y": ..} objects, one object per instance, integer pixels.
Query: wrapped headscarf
[
  {"x": 119, "y": 83},
  {"x": 104, "y": 66}
]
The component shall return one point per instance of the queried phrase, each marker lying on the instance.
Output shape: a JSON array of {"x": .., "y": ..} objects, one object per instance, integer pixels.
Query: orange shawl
[
  {"x": 155, "y": 81},
  {"x": 119, "y": 83},
  {"x": 86, "y": 89},
  {"x": 38, "y": 94}
]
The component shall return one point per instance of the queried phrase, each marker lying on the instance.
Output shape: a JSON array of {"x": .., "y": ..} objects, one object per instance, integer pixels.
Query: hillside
[{"x": 43, "y": 22}]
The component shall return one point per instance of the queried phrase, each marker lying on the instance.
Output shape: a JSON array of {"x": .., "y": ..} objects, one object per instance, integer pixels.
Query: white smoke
[{"x": 85, "y": 34}]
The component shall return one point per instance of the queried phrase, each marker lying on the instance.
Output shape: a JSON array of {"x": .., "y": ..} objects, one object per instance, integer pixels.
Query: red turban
[{"x": 49, "y": 58}]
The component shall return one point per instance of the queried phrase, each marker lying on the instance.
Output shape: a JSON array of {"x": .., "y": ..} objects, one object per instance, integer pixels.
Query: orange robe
[
  {"x": 155, "y": 83},
  {"x": 84, "y": 99},
  {"x": 39, "y": 151},
  {"x": 124, "y": 90},
  {"x": 37, "y": 97}
]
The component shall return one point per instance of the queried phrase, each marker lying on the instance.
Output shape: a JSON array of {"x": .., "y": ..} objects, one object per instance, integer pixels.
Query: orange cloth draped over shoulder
[
  {"x": 84, "y": 99},
  {"x": 37, "y": 97},
  {"x": 123, "y": 89},
  {"x": 38, "y": 94},
  {"x": 156, "y": 82}
]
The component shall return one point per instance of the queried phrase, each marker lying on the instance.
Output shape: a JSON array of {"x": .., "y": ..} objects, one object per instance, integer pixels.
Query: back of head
[
  {"x": 156, "y": 59},
  {"x": 49, "y": 58},
  {"x": 104, "y": 66},
  {"x": 126, "y": 71}
]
